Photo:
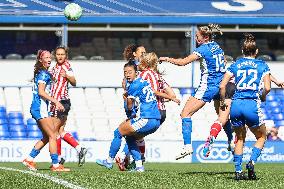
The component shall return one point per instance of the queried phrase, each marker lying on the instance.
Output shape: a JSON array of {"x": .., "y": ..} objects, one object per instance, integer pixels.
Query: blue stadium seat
[
  {"x": 3, "y": 115},
  {"x": 279, "y": 123},
  {"x": 266, "y": 116},
  {"x": 32, "y": 127},
  {"x": 14, "y": 115},
  {"x": 3, "y": 121},
  {"x": 270, "y": 98},
  {"x": 3, "y": 109},
  {"x": 16, "y": 121},
  {"x": 17, "y": 128},
  {"x": 278, "y": 117},
  {"x": 276, "y": 110},
  {"x": 279, "y": 92},
  {"x": 4, "y": 127},
  {"x": 4, "y": 134},
  {"x": 272, "y": 104},
  {"x": 34, "y": 135},
  {"x": 31, "y": 121},
  {"x": 18, "y": 135},
  {"x": 272, "y": 91},
  {"x": 186, "y": 91}
]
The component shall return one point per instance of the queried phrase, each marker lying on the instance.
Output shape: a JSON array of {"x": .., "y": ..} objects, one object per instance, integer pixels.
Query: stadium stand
[
  {"x": 30, "y": 57},
  {"x": 265, "y": 57},
  {"x": 13, "y": 56},
  {"x": 94, "y": 116}
]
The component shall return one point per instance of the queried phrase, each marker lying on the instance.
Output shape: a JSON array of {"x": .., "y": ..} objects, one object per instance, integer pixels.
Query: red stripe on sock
[
  {"x": 58, "y": 143},
  {"x": 70, "y": 140},
  {"x": 215, "y": 129}
]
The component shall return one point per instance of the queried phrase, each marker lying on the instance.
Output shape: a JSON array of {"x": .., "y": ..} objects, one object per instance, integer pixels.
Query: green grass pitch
[{"x": 157, "y": 175}]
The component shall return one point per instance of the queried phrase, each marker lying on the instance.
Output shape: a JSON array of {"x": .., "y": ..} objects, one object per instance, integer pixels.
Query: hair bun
[{"x": 249, "y": 37}]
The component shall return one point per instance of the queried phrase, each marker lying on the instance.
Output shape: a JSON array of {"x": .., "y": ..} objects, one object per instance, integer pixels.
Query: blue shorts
[
  {"x": 39, "y": 111},
  {"x": 207, "y": 93},
  {"x": 144, "y": 126},
  {"x": 246, "y": 112}
]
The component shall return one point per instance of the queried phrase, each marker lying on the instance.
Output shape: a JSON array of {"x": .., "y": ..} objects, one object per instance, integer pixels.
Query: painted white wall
[{"x": 108, "y": 73}]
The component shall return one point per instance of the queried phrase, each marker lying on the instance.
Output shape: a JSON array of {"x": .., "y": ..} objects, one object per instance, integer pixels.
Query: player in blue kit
[
  {"x": 144, "y": 122},
  {"x": 249, "y": 74},
  {"x": 212, "y": 61},
  {"x": 40, "y": 112}
]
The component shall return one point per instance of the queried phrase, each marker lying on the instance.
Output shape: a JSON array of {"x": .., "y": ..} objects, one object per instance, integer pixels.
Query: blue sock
[
  {"x": 255, "y": 154},
  {"x": 228, "y": 130},
  {"x": 133, "y": 148},
  {"x": 186, "y": 130},
  {"x": 238, "y": 162},
  {"x": 126, "y": 149},
  {"x": 54, "y": 158},
  {"x": 115, "y": 143},
  {"x": 34, "y": 153}
]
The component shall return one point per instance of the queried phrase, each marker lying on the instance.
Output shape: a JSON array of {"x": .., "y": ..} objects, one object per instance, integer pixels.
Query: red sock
[
  {"x": 141, "y": 146},
  {"x": 215, "y": 129},
  {"x": 67, "y": 137},
  {"x": 58, "y": 142}
]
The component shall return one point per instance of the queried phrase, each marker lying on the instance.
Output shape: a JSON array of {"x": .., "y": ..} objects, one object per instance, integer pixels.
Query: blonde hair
[
  {"x": 210, "y": 30},
  {"x": 149, "y": 61}
]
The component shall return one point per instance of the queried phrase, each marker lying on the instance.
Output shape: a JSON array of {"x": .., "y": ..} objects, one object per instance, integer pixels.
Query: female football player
[
  {"x": 63, "y": 75},
  {"x": 249, "y": 74},
  {"x": 40, "y": 112},
  {"x": 213, "y": 68},
  {"x": 145, "y": 122}
]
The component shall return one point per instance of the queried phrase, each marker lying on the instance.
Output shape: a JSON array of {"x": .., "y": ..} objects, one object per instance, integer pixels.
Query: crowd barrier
[{"x": 156, "y": 151}]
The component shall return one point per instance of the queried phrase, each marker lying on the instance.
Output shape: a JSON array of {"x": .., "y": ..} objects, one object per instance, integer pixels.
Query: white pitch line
[{"x": 53, "y": 179}]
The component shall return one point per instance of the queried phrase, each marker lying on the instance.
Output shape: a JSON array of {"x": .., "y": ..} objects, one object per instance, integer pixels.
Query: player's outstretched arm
[
  {"x": 222, "y": 87},
  {"x": 44, "y": 95},
  {"x": 266, "y": 88},
  {"x": 180, "y": 61},
  {"x": 278, "y": 83},
  {"x": 164, "y": 95}
]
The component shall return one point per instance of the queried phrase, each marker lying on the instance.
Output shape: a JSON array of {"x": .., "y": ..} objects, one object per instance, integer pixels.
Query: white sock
[
  {"x": 109, "y": 160},
  {"x": 29, "y": 158},
  {"x": 188, "y": 146},
  {"x": 56, "y": 165},
  {"x": 138, "y": 163},
  {"x": 122, "y": 156},
  {"x": 78, "y": 148}
]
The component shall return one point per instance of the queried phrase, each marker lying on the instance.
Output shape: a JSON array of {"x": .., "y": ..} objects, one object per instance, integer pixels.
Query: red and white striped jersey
[
  {"x": 157, "y": 84},
  {"x": 59, "y": 88}
]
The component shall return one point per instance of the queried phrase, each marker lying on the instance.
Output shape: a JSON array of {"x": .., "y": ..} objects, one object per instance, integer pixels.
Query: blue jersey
[
  {"x": 248, "y": 73},
  {"x": 142, "y": 92},
  {"x": 39, "y": 106},
  {"x": 212, "y": 63}
]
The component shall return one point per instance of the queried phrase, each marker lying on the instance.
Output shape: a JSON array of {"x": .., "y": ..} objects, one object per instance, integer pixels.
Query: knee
[
  {"x": 183, "y": 115},
  {"x": 222, "y": 121},
  {"x": 52, "y": 136}
]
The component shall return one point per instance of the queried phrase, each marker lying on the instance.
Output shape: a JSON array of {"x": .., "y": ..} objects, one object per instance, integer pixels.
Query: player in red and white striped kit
[{"x": 62, "y": 74}]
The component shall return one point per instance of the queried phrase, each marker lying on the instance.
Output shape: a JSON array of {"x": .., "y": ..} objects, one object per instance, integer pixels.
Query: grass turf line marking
[{"x": 53, "y": 179}]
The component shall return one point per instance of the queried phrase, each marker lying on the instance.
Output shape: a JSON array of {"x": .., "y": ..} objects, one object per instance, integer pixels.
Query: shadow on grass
[{"x": 208, "y": 173}]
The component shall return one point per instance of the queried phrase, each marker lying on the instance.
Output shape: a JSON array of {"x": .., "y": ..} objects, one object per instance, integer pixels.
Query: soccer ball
[{"x": 73, "y": 11}]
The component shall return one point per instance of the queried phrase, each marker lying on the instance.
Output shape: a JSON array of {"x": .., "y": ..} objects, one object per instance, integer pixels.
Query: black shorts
[
  {"x": 230, "y": 90},
  {"x": 163, "y": 116},
  {"x": 67, "y": 106}
]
